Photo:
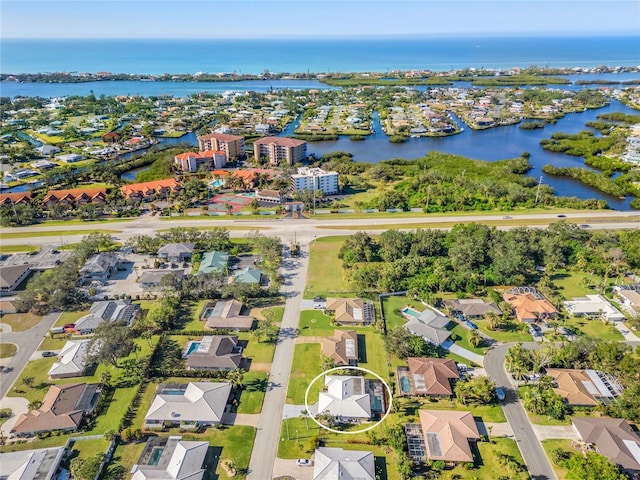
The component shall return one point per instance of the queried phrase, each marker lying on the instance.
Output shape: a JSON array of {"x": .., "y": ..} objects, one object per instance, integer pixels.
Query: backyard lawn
[
  {"x": 88, "y": 448},
  {"x": 489, "y": 468},
  {"x": 409, "y": 407},
  {"x": 572, "y": 284},
  {"x": 306, "y": 366},
  {"x": 392, "y": 307},
  {"x": 594, "y": 328},
  {"x": 326, "y": 275},
  {"x": 20, "y": 321}
]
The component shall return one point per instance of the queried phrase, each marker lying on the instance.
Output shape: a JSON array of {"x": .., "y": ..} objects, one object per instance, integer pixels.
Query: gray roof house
[
  {"x": 100, "y": 267},
  {"x": 345, "y": 398},
  {"x": 613, "y": 438},
  {"x": 226, "y": 315},
  {"x": 430, "y": 325},
  {"x": 107, "y": 311},
  {"x": 176, "y": 252},
  {"x": 340, "y": 464},
  {"x": 11, "y": 276},
  {"x": 199, "y": 404},
  {"x": 213, "y": 262},
  {"x": 150, "y": 279},
  {"x": 72, "y": 360},
  {"x": 473, "y": 307},
  {"x": 41, "y": 464},
  {"x": 219, "y": 352},
  {"x": 179, "y": 460}
]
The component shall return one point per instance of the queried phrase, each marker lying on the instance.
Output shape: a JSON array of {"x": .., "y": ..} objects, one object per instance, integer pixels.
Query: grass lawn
[
  {"x": 89, "y": 448},
  {"x": 461, "y": 334},
  {"x": 410, "y": 406},
  {"x": 326, "y": 275},
  {"x": 392, "y": 307},
  {"x": 55, "y": 341},
  {"x": 253, "y": 393},
  {"x": 52, "y": 441},
  {"x": 271, "y": 313},
  {"x": 374, "y": 355},
  {"x": 258, "y": 352},
  {"x": 53, "y": 233},
  {"x": 70, "y": 317},
  {"x": 306, "y": 366},
  {"x": 594, "y": 328},
  {"x": 314, "y": 322},
  {"x": 8, "y": 350},
  {"x": 20, "y": 321},
  {"x": 551, "y": 445},
  {"x": 192, "y": 321},
  {"x": 4, "y": 249},
  {"x": 541, "y": 419},
  {"x": 571, "y": 284},
  {"x": 509, "y": 332}
]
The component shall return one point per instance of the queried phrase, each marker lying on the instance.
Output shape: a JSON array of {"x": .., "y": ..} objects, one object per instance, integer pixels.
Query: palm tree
[
  {"x": 493, "y": 321},
  {"x": 474, "y": 338},
  {"x": 304, "y": 414},
  {"x": 235, "y": 377},
  {"x": 35, "y": 404},
  {"x": 105, "y": 378}
]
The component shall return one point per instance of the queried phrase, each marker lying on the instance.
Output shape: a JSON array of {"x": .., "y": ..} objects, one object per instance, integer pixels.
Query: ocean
[{"x": 255, "y": 56}]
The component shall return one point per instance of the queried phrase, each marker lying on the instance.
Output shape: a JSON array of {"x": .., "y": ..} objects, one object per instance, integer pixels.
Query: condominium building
[
  {"x": 232, "y": 145},
  {"x": 315, "y": 179},
  {"x": 192, "y": 161},
  {"x": 280, "y": 150}
]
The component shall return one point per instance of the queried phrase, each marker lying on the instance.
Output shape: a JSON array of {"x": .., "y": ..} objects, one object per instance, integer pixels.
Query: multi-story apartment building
[
  {"x": 192, "y": 161},
  {"x": 232, "y": 145},
  {"x": 315, "y": 179},
  {"x": 280, "y": 150}
]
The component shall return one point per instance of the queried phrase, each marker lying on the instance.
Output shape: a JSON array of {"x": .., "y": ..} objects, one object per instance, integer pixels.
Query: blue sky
[{"x": 266, "y": 18}]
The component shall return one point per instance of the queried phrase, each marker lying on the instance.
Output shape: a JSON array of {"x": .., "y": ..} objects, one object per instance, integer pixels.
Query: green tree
[
  {"x": 591, "y": 466},
  {"x": 111, "y": 340}
]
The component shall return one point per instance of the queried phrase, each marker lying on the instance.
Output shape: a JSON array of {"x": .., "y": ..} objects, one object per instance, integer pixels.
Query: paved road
[
  {"x": 534, "y": 456},
  {"x": 261, "y": 466},
  {"x": 27, "y": 342}
]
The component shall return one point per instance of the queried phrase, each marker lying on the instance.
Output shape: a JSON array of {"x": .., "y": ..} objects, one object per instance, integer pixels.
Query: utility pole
[
  {"x": 538, "y": 190},
  {"x": 426, "y": 208}
]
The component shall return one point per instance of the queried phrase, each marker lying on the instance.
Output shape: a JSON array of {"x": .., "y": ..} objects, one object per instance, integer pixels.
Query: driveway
[
  {"x": 463, "y": 352},
  {"x": 18, "y": 406},
  {"x": 546, "y": 432},
  {"x": 628, "y": 335},
  {"x": 289, "y": 468},
  {"x": 534, "y": 456},
  {"x": 263, "y": 456}
]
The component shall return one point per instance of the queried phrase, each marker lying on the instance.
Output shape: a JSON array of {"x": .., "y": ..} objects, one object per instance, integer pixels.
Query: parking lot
[{"x": 48, "y": 257}]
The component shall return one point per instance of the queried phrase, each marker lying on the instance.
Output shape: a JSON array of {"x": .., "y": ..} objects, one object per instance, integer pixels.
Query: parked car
[
  {"x": 304, "y": 462},
  {"x": 48, "y": 354},
  {"x": 500, "y": 393},
  {"x": 471, "y": 325}
]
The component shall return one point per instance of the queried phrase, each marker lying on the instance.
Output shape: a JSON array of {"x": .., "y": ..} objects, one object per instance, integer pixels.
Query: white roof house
[
  {"x": 72, "y": 360},
  {"x": 593, "y": 306},
  {"x": 201, "y": 403},
  {"x": 179, "y": 460},
  {"x": 340, "y": 464},
  {"x": 41, "y": 464},
  {"x": 345, "y": 397}
]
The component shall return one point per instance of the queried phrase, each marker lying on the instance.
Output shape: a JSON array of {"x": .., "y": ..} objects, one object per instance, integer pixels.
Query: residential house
[
  {"x": 278, "y": 150},
  {"x": 7, "y": 306},
  {"x": 473, "y": 307},
  {"x": 11, "y": 277},
  {"x": 72, "y": 360},
  {"x": 100, "y": 267},
  {"x": 584, "y": 387},
  {"x": 189, "y": 407},
  {"x": 430, "y": 325},
  {"x": 448, "y": 434},
  {"x": 152, "y": 279},
  {"x": 315, "y": 179},
  {"x": 345, "y": 398},
  {"x": 249, "y": 275},
  {"x": 530, "y": 306},
  {"x": 630, "y": 298},
  {"x": 70, "y": 158},
  {"x": 111, "y": 137},
  {"x": 47, "y": 150},
  {"x": 64, "y": 408},
  {"x": 176, "y": 252},
  {"x": 219, "y": 352},
  {"x": 214, "y": 262},
  {"x": 232, "y": 145},
  {"x": 435, "y": 377},
  {"x": 350, "y": 311},
  {"x": 340, "y": 464},
  {"x": 226, "y": 315},
  {"x": 75, "y": 197},
  {"x": 342, "y": 348},
  {"x": 17, "y": 198},
  {"x": 107, "y": 311},
  {"x": 156, "y": 189},
  {"x": 177, "y": 460},
  {"x": 611, "y": 437},
  {"x": 40, "y": 464},
  {"x": 593, "y": 306}
]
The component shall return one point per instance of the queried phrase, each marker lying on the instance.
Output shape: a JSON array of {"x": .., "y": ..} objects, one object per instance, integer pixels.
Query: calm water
[{"x": 314, "y": 55}]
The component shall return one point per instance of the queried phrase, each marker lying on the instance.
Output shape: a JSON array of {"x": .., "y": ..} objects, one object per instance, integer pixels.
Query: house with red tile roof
[
  {"x": 75, "y": 197},
  {"x": 150, "y": 190},
  {"x": 17, "y": 198},
  {"x": 530, "y": 306}
]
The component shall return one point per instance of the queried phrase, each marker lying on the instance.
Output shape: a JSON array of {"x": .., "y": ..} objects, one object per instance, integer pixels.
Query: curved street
[{"x": 532, "y": 452}]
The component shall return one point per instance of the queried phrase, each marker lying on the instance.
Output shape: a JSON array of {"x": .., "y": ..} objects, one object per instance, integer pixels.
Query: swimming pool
[
  {"x": 217, "y": 183},
  {"x": 405, "y": 384},
  {"x": 193, "y": 346},
  {"x": 156, "y": 453},
  {"x": 410, "y": 311},
  {"x": 207, "y": 313},
  {"x": 376, "y": 404}
]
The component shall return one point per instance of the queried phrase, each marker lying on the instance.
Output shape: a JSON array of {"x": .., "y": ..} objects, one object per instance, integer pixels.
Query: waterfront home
[
  {"x": 448, "y": 435},
  {"x": 188, "y": 406},
  {"x": 341, "y": 348},
  {"x": 434, "y": 377},
  {"x": 17, "y": 198},
  {"x": 171, "y": 459},
  {"x": 226, "y": 315},
  {"x": 219, "y": 352},
  {"x": 350, "y": 311},
  {"x": 345, "y": 398},
  {"x": 47, "y": 150},
  {"x": 64, "y": 407},
  {"x": 70, "y": 158},
  {"x": 341, "y": 464},
  {"x": 107, "y": 311},
  {"x": 193, "y": 162}
]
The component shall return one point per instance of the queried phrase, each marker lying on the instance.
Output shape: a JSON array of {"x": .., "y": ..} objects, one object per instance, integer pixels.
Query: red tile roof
[
  {"x": 74, "y": 194},
  {"x": 281, "y": 141},
  {"x": 18, "y": 197},
  {"x": 146, "y": 187},
  {"x": 187, "y": 155}
]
